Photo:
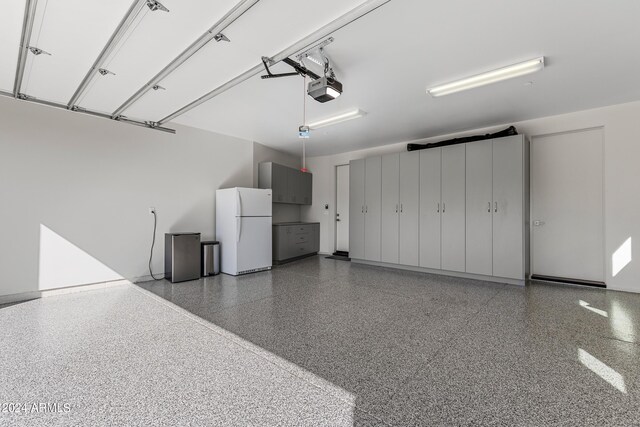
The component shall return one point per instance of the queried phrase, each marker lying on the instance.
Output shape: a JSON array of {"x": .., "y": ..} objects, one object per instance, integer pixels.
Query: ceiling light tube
[
  {"x": 313, "y": 38},
  {"x": 123, "y": 26},
  {"x": 339, "y": 118},
  {"x": 214, "y": 33},
  {"x": 509, "y": 72}
]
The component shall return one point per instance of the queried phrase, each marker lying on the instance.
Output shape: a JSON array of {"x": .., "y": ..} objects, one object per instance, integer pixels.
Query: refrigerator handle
[
  {"x": 239, "y": 204},
  {"x": 238, "y": 228}
]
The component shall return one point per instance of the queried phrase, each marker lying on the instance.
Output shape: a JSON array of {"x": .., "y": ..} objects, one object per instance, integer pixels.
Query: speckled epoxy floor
[{"x": 323, "y": 341}]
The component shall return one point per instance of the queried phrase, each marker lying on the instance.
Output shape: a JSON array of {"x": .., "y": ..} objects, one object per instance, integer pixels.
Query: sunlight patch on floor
[{"x": 605, "y": 372}]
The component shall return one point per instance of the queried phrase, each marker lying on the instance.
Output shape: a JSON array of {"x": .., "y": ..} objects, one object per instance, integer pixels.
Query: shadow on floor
[{"x": 9, "y": 304}]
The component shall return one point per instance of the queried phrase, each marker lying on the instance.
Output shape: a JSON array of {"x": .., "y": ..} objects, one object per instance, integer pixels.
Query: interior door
[
  {"x": 356, "y": 209},
  {"x": 430, "y": 207},
  {"x": 342, "y": 208},
  {"x": 372, "y": 207},
  {"x": 409, "y": 246},
  {"x": 479, "y": 200},
  {"x": 390, "y": 208},
  {"x": 567, "y": 205},
  {"x": 453, "y": 208}
]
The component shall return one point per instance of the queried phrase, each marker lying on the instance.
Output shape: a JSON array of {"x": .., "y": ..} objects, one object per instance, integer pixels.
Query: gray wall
[{"x": 75, "y": 192}]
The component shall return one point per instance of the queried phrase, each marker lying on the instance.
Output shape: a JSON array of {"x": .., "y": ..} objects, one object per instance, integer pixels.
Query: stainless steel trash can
[
  {"x": 181, "y": 261},
  {"x": 210, "y": 258}
]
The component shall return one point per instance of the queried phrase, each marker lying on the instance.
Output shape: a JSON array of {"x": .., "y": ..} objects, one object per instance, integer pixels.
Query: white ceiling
[
  {"x": 385, "y": 60},
  {"x": 10, "y": 30}
]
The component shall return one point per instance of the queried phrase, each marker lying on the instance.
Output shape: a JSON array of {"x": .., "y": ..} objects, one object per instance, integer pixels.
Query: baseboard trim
[
  {"x": 288, "y": 260},
  {"x": 25, "y": 296},
  {"x": 443, "y": 272},
  {"x": 569, "y": 281}
]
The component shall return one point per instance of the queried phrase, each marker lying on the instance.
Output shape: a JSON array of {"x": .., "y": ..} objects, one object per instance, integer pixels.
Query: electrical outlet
[{"x": 152, "y": 210}]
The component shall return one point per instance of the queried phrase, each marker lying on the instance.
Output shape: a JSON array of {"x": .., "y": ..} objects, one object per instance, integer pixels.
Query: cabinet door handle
[
  {"x": 438, "y": 208},
  {"x": 396, "y": 208},
  {"x": 444, "y": 207},
  {"x": 496, "y": 207},
  {"x": 366, "y": 209},
  {"x": 362, "y": 208},
  {"x": 489, "y": 208},
  {"x": 400, "y": 207}
]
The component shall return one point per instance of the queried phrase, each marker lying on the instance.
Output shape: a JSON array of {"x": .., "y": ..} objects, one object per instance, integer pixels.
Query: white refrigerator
[{"x": 243, "y": 228}]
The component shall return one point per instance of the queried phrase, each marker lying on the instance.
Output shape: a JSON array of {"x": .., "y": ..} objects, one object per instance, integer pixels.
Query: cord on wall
[{"x": 153, "y": 242}]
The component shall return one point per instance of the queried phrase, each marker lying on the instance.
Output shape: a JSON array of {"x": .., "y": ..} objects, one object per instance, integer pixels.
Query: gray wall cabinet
[
  {"x": 409, "y": 240},
  {"x": 430, "y": 208},
  {"x": 461, "y": 209},
  {"x": 511, "y": 206},
  {"x": 295, "y": 240},
  {"x": 365, "y": 208},
  {"x": 453, "y": 208},
  {"x": 399, "y": 209},
  {"x": 289, "y": 185},
  {"x": 390, "y": 210},
  {"x": 356, "y": 209},
  {"x": 479, "y": 200},
  {"x": 372, "y": 207}
]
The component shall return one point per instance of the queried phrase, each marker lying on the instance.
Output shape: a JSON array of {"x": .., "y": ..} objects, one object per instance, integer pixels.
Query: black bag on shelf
[{"x": 510, "y": 131}]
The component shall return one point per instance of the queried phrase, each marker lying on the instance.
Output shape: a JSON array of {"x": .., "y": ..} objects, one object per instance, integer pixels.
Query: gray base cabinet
[
  {"x": 295, "y": 240},
  {"x": 289, "y": 185}
]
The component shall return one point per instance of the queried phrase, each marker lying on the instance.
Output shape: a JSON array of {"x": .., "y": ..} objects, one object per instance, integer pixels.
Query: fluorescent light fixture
[
  {"x": 349, "y": 115},
  {"x": 509, "y": 72}
]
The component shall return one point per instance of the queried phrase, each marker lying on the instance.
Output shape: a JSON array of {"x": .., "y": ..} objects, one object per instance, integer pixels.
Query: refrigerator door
[
  {"x": 254, "y": 244},
  {"x": 253, "y": 202}
]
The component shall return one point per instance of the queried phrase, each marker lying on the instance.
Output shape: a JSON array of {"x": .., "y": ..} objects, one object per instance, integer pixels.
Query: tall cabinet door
[
  {"x": 508, "y": 207},
  {"x": 279, "y": 183},
  {"x": 409, "y": 207},
  {"x": 390, "y": 208},
  {"x": 293, "y": 186},
  {"x": 372, "y": 207},
  {"x": 453, "y": 208},
  {"x": 479, "y": 198},
  {"x": 306, "y": 187},
  {"x": 356, "y": 209},
  {"x": 430, "y": 207}
]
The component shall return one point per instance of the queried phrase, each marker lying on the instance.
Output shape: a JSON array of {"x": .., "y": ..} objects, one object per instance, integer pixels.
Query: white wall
[
  {"x": 262, "y": 153},
  {"x": 622, "y": 179},
  {"x": 75, "y": 192}
]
